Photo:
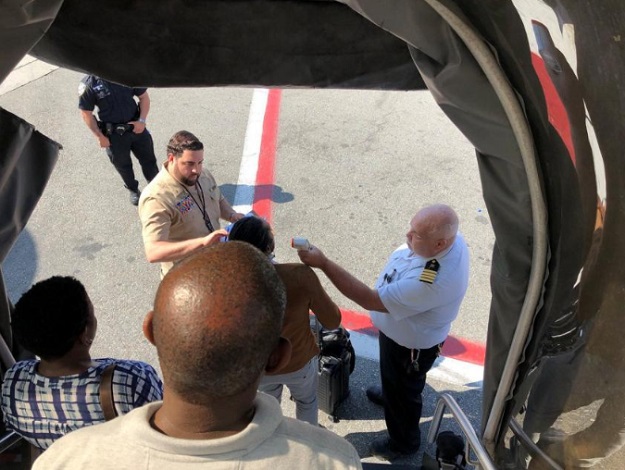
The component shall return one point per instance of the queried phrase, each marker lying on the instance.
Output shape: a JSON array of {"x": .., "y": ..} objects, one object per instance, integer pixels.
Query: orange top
[{"x": 304, "y": 293}]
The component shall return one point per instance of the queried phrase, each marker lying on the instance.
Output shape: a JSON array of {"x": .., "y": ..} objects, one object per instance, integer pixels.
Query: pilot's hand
[{"x": 312, "y": 257}]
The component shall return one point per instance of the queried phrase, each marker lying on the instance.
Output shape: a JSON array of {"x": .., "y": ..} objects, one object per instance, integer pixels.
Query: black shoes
[
  {"x": 134, "y": 196},
  {"x": 374, "y": 394},
  {"x": 383, "y": 449}
]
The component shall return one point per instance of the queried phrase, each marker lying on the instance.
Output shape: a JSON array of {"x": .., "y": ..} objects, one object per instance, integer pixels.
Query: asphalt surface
[{"x": 352, "y": 167}]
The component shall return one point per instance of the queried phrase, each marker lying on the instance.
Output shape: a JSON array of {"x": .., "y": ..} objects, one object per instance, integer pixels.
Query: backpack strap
[{"x": 106, "y": 393}]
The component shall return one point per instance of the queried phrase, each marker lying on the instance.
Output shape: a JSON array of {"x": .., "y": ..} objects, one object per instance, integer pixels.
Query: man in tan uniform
[{"x": 181, "y": 207}]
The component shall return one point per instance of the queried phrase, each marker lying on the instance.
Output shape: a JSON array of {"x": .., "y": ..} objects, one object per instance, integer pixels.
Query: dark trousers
[
  {"x": 402, "y": 387},
  {"x": 143, "y": 148}
]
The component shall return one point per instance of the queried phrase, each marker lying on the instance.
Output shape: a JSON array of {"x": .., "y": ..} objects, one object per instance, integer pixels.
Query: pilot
[
  {"x": 120, "y": 127},
  {"x": 416, "y": 297}
]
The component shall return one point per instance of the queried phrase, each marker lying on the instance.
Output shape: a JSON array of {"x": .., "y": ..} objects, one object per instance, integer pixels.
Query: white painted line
[
  {"x": 448, "y": 370},
  {"x": 365, "y": 345},
  {"x": 244, "y": 195},
  {"x": 457, "y": 372}
]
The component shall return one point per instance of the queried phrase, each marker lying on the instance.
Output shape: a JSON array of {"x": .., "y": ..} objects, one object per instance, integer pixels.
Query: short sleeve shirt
[
  {"x": 169, "y": 210},
  {"x": 43, "y": 409},
  {"x": 115, "y": 103},
  {"x": 420, "y": 313}
]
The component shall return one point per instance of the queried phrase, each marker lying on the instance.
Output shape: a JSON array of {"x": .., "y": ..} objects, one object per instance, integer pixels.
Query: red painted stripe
[
  {"x": 456, "y": 348},
  {"x": 558, "y": 117},
  {"x": 267, "y": 158},
  {"x": 358, "y": 322},
  {"x": 464, "y": 350}
]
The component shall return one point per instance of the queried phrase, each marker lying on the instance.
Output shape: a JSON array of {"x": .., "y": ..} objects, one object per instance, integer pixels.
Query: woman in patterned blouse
[{"x": 44, "y": 399}]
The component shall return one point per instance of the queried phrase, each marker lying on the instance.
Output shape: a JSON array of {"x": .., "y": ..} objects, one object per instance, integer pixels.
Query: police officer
[
  {"x": 416, "y": 297},
  {"x": 120, "y": 127}
]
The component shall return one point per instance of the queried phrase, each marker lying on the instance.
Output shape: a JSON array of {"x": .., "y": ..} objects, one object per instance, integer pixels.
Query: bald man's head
[
  {"x": 217, "y": 318},
  {"x": 432, "y": 230},
  {"x": 440, "y": 219}
]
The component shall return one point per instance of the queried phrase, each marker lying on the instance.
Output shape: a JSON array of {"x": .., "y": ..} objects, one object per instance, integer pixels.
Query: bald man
[
  {"x": 415, "y": 299},
  {"x": 216, "y": 326}
]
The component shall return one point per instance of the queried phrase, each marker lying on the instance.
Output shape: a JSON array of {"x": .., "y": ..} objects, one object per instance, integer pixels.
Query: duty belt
[{"x": 110, "y": 127}]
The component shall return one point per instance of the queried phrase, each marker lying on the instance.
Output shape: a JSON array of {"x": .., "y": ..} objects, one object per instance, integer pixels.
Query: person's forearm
[
  {"x": 162, "y": 251},
  {"x": 328, "y": 315},
  {"x": 351, "y": 287},
  {"x": 225, "y": 209},
  {"x": 321, "y": 304},
  {"x": 91, "y": 123},
  {"x": 144, "y": 106}
]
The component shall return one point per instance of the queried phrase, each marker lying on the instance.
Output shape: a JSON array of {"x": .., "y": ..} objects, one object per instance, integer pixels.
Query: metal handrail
[
  {"x": 446, "y": 401},
  {"x": 8, "y": 440},
  {"x": 531, "y": 446},
  {"x": 517, "y": 118}
]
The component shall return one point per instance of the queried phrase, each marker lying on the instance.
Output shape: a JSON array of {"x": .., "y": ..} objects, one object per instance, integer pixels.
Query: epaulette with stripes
[{"x": 430, "y": 271}]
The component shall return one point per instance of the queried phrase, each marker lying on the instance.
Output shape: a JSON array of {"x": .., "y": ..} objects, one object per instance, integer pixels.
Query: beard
[{"x": 190, "y": 181}]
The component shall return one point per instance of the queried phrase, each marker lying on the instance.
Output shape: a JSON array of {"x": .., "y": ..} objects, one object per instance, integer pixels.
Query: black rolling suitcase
[{"x": 336, "y": 362}]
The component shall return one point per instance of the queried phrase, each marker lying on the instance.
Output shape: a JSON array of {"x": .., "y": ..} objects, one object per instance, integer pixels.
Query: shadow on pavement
[
  {"x": 20, "y": 265},
  {"x": 261, "y": 192}
]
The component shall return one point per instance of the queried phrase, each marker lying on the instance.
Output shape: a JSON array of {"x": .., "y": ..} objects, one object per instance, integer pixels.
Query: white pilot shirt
[{"x": 420, "y": 313}]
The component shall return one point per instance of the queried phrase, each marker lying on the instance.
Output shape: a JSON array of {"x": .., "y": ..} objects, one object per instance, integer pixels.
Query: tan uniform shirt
[
  {"x": 304, "y": 292},
  {"x": 169, "y": 210}
]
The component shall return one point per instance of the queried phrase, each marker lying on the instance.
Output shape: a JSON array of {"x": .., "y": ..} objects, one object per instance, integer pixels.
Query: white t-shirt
[
  {"x": 270, "y": 441},
  {"x": 420, "y": 313}
]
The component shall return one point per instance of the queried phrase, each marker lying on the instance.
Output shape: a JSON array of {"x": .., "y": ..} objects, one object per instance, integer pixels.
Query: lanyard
[{"x": 202, "y": 207}]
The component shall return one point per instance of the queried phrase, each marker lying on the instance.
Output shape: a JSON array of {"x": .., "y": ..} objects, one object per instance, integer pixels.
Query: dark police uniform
[{"x": 116, "y": 107}]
